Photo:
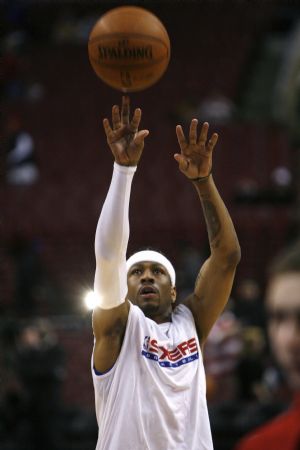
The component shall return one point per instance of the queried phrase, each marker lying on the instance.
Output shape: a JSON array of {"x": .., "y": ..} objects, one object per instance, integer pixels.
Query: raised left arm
[{"x": 215, "y": 279}]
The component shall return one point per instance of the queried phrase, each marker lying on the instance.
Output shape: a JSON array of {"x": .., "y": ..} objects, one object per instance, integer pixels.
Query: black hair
[
  {"x": 286, "y": 261},
  {"x": 152, "y": 249}
]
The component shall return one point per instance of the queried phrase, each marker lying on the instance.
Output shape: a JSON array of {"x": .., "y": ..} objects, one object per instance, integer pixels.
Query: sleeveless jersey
[{"x": 154, "y": 397}]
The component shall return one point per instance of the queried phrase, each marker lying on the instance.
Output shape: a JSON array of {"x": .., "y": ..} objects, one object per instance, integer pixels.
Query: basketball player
[
  {"x": 147, "y": 364},
  {"x": 283, "y": 307}
]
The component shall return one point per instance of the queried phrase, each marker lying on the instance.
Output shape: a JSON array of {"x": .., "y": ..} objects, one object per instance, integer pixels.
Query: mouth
[{"x": 148, "y": 292}]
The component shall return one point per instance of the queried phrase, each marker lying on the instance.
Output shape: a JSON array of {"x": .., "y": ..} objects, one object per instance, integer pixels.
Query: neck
[{"x": 159, "y": 318}]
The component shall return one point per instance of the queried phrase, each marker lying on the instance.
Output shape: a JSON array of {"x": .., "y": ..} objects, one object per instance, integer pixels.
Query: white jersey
[{"x": 154, "y": 397}]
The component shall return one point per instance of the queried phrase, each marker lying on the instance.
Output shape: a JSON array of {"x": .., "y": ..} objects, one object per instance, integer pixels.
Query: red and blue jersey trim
[{"x": 169, "y": 363}]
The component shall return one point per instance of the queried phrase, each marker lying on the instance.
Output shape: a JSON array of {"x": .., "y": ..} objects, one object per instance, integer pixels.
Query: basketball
[{"x": 129, "y": 48}]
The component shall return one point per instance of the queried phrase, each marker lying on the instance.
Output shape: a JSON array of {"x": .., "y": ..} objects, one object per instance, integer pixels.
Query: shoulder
[
  {"x": 273, "y": 434},
  {"x": 135, "y": 316},
  {"x": 183, "y": 312},
  {"x": 183, "y": 319},
  {"x": 110, "y": 352}
]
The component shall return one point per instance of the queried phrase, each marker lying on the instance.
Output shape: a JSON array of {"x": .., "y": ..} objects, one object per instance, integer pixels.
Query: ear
[{"x": 173, "y": 294}]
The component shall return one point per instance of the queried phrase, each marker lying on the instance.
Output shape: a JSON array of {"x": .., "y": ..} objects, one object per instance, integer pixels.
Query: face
[
  {"x": 149, "y": 287},
  {"x": 283, "y": 303},
  {"x": 30, "y": 337}
]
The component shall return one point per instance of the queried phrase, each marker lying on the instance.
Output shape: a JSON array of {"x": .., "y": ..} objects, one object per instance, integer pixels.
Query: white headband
[{"x": 150, "y": 255}]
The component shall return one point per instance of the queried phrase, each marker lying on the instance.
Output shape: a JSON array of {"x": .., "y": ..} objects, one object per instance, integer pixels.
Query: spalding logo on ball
[{"x": 129, "y": 48}]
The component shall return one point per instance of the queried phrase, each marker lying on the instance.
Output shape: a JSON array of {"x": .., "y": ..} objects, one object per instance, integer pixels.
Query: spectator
[
  {"x": 252, "y": 365},
  {"x": 21, "y": 164},
  {"x": 248, "y": 303},
  {"x": 283, "y": 309},
  {"x": 12, "y": 395},
  {"x": 41, "y": 370},
  {"x": 222, "y": 351},
  {"x": 28, "y": 274},
  {"x": 216, "y": 108}
]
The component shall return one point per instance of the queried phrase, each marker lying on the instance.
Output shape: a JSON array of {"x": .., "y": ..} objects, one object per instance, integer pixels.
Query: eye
[
  {"x": 277, "y": 317},
  {"x": 158, "y": 270},
  {"x": 135, "y": 271}
]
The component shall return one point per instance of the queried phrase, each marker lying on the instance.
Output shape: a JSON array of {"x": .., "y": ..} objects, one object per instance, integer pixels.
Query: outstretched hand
[
  {"x": 195, "y": 159},
  {"x": 123, "y": 138}
]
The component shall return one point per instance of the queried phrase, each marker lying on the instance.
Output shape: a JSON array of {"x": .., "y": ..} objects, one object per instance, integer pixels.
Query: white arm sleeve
[{"x": 111, "y": 240}]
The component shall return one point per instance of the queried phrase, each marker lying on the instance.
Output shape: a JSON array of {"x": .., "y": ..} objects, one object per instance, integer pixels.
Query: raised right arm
[{"x": 112, "y": 234}]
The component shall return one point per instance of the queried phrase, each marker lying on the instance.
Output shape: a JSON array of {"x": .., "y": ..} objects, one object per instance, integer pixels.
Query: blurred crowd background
[{"x": 234, "y": 64}]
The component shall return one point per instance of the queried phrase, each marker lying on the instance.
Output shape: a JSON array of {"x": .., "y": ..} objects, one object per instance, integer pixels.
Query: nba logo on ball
[{"x": 129, "y": 48}]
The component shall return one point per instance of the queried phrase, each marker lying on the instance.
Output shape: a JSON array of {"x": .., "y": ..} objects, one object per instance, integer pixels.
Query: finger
[
  {"x": 203, "y": 134},
  {"x": 212, "y": 142},
  {"x": 193, "y": 131},
  {"x": 116, "y": 120},
  {"x": 118, "y": 134},
  {"x": 182, "y": 161},
  {"x": 107, "y": 127},
  {"x": 113, "y": 135},
  {"x": 134, "y": 124},
  {"x": 140, "y": 136},
  {"x": 125, "y": 109},
  {"x": 180, "y": 137}
]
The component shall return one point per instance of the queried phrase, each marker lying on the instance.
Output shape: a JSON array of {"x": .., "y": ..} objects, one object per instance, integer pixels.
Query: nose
[{"x": 147, "y": 275}]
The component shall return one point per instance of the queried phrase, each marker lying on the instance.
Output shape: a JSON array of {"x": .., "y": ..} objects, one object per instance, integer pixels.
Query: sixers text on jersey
[{"x": 183, "y": 353}]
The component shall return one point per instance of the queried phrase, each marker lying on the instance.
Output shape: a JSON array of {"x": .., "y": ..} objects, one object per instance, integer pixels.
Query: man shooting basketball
[{"x": 147, "y": 361}]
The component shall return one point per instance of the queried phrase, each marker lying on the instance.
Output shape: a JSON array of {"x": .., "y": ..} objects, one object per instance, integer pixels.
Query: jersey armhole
[
  {"x": 101, "y": 375},
  {"x": 96, "y": 372}
]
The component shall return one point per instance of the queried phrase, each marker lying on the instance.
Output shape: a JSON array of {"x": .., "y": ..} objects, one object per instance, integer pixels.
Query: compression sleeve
[{"x": 112, "y": 234}]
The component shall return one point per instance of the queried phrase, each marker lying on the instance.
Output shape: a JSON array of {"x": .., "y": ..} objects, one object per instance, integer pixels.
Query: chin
[{"x": 149, "y": 310}]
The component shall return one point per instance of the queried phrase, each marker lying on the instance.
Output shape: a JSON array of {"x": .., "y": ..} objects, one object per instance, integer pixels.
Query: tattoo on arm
[{"x": 212, "y": 221}]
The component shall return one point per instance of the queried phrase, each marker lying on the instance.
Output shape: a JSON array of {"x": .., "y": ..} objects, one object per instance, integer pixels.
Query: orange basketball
[{"x": 129, "y": 48}]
